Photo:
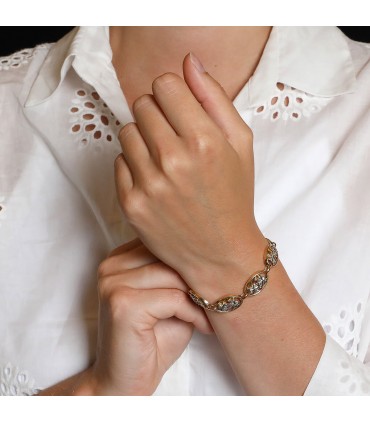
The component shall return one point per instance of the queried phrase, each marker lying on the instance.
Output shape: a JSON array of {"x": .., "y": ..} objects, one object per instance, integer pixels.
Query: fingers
[
  {"x": 166, "y": 303},
  {"x": 215, "y": 102},
  {"x": 122, "y": 176},
  {"x": 151, "y": 293},
  {"x": 132, "y": 259},
  {"x": 180, "y": 107},
  {"x": 146, "y": 288},
  {"x": 151, "y": 276},
  {"x": 130, "y": 245},
  {"x": 136, "y": 154},
  {"x": 125, "y": 258},
  {"x": 154, "y": 127}
]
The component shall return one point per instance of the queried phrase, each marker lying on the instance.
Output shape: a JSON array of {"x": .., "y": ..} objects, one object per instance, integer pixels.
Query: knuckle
[
  {"x": 127, "y": 130},
  {"x": 174, "y": 163},
  {"x": 104, "y": 286},
  {"x": 202, "y": 144},
  {"x": 168, "y": 78},
  {"x": 133, "y": 206},
  {"x": 120, "y": 298},
  {"x": 178, "y": 297},
  {"x": 119, "y": 301},
  {"x": 144, "y": 100},
  {"x": 155, "y": 187},
  {"x": 103, "y": 268},
  {"x": 148, "y": 272}
]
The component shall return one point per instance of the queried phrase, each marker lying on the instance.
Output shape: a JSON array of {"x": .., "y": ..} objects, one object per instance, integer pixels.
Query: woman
[{"x": 270, "y": 142}]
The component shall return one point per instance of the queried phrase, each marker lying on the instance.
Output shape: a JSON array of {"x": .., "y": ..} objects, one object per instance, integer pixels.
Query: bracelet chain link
[{"x": 252, "y": 286}]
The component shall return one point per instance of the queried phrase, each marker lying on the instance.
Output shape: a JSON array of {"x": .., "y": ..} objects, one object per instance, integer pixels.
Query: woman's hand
[
  {"x": 145, "y": 322},
  {"x": 186, "y": 178}
]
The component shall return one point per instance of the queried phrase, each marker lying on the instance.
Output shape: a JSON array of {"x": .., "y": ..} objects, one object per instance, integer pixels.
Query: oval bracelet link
[{"x": 253, "y": 286}]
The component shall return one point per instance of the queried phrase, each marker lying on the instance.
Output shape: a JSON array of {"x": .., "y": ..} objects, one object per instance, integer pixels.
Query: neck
[{"x": 229, "y": 54}]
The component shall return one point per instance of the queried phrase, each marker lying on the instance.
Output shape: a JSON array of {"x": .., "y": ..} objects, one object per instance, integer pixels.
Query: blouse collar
[{"x": 316, "y": 60}]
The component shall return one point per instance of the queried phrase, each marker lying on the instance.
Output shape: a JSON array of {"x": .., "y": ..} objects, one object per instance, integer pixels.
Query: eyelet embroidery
[
  {"x": 355, "y": 376},
  {"x": 16, "y": 60},
  {"x": 92, "y": 123},
  {"x": 345, "y": 328},
  {"x": 290, "y": 103},
  {"x": 15, "y": 382},
  {"x": 2, "y": 210}
]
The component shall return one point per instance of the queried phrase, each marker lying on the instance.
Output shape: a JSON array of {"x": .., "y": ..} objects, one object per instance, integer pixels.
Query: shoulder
[{"x": 19, "y": 69}]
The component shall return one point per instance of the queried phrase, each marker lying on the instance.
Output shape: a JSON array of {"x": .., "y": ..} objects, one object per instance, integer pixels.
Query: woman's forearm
[
  {"x": 273, "y": 341},
  {"x": 185, "y": 182}
]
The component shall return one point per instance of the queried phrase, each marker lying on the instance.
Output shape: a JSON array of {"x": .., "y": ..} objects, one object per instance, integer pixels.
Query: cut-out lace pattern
[
  {"x": 2, "y": 209},
  {"x": 92, "y": 123},
  {"x": 16, "y": 382},
  {"x": 16, "y": 60},
  {"x": 345, "y": 328},
  {"x": 289, "y": 103}
]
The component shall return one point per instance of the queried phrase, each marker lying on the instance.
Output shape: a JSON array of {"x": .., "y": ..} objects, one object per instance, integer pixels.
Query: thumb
[{"x": 214, "y": 100}]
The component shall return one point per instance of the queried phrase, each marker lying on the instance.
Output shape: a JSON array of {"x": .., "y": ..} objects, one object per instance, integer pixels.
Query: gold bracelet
[{"x": 253, "y": 286}]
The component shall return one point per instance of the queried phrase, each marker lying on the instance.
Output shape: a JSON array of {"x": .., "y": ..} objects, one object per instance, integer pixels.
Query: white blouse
[{"x": 61, "y": 108}]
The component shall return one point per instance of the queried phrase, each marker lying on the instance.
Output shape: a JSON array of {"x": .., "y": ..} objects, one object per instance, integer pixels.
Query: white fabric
[{"x": 61, "y": 109}]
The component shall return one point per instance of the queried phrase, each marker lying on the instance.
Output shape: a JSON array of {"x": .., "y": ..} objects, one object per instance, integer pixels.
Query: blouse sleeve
[{"x": 339, "y": 373}]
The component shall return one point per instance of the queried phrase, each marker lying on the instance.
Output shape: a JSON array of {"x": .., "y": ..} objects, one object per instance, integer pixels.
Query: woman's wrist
[{"x": 215, "y": 280}]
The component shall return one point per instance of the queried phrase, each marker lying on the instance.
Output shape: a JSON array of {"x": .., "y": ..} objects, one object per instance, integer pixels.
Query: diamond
[
  {"x": 255, "y": 284},
  {"x": 272, "y": 254},
  {"x": 227, "y": 304}
]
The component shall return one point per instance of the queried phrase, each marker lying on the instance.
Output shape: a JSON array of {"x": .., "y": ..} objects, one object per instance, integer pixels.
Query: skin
[
  {"x": 185, "y": 181},
  {"x": 145, "y": 322},
  {"x": 141, "y": 54}
]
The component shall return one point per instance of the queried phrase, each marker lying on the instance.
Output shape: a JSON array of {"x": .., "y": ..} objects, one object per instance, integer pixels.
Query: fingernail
[{"x": 197, "y": 63}]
